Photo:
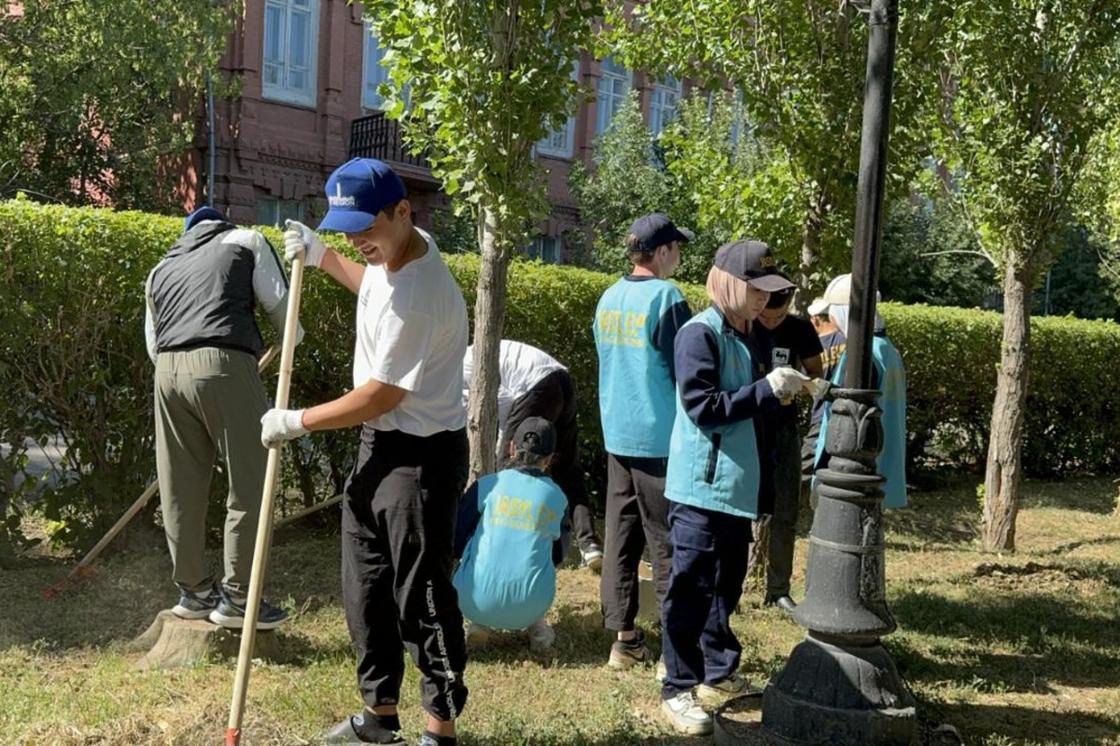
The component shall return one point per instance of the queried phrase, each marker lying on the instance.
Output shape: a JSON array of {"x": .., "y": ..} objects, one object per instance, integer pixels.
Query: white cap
[
  {"x": 818, "y": 307},
  {"x": 839, "y": 291}
]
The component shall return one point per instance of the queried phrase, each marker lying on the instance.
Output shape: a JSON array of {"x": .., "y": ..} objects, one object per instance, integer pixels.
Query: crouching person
[
  {"x": 509, "y": 537},
  {"x": 712, "y": 482}
]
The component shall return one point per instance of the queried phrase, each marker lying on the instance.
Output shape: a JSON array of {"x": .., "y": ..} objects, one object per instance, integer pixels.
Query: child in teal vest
[
  {"x": 712, "y": 482},
  {"x": 510, "y": 537}
]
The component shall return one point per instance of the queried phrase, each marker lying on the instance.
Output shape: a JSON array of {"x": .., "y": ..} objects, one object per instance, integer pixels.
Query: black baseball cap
[
  {"x": 752, "y": 261},
  {"x": 535, "y": 435},
  {"x": 655, "y": 230}
]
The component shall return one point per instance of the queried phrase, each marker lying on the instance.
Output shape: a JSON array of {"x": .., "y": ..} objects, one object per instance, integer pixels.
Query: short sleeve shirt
[
  {"x": 412, "y": 333},
  {"x": 522, "y": 367},
  {"x": 793, "y": 341}
]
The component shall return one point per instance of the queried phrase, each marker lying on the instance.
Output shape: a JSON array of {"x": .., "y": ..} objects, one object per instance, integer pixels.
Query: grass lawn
[{"x": 1019, "y": 649}]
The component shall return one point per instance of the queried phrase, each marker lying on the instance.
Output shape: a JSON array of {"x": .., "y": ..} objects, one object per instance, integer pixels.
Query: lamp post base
[{"x": 846, "y": 694}]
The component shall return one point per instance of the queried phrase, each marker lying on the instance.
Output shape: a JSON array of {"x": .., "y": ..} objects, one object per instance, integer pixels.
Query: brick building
[{"x": 309, "y": 71}]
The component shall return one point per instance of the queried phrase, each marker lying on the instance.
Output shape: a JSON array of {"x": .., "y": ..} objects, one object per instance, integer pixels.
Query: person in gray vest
[{"x": 203, "y": 339}]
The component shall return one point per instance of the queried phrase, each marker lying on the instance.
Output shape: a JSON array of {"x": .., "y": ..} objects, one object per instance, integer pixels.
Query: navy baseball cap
[
  {"x": 357, "y": 191},
  {"x": 752, "y": 261},
  {"x": 655, "y": 230},
  {"x": 535, "y": 435},
  {"x": 203, "y": 213}
]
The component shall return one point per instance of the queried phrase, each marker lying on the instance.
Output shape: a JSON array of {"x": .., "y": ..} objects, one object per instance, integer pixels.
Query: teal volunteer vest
[
  {"x": 636, "y": 393},
  {"x": 716, "y": 468},
  {"x": 892, "y": 402},
  {"x": 506, "y": 579}
]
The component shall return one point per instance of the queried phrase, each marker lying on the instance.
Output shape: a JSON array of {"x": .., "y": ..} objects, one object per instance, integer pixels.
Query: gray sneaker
[
  {"x": 231, "y": 614},
  {"x": 196, "y": 605},
  {"x": 541, "y": 637},
  {"x": 686, "y": 716}
]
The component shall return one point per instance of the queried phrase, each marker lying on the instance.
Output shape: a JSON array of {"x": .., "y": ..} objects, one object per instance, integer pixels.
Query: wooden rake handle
[{"x": 264, "y": 523}]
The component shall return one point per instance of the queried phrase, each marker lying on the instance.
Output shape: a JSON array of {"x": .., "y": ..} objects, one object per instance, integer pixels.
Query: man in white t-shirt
[
  {"x": 535, "y": 384},
  {"x": 399, "y": 505}
]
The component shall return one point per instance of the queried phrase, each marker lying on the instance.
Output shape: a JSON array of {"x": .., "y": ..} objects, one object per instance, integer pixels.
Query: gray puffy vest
[{"x": 203, "y": 295}]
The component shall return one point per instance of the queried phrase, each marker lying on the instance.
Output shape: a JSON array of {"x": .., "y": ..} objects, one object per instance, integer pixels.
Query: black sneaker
[
  {"x": 350, "y": 733},
  {"x": 196, "y": 605},
  {"x": 231, "y": 614}
]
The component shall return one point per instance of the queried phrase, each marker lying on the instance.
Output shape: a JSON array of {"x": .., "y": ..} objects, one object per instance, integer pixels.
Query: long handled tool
[
  {"x": 264, "y": 523},
  {"x": 84, "y": 569}
]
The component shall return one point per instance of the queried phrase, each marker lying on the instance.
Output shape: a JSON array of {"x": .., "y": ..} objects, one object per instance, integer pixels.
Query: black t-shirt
[{"x": 793, "y": 341}]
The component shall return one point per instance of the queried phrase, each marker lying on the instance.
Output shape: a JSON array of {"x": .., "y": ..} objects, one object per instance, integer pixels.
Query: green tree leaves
[{"x": 98, "y": 97}]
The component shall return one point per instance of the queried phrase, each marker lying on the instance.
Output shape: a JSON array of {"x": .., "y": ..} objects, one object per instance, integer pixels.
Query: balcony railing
[{"x": 377, "y": 136}]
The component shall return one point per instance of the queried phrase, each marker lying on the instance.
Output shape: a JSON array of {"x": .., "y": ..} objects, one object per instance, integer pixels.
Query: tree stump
[{"x": 171, "y": 642}]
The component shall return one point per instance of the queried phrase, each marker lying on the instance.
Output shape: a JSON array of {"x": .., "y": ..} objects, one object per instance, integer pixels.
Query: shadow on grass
[
  {"x": 1044, "y": 640},
  {"x": 1072, "y": 545},
  {"x": 979, "y": 723},
  {"x": 1090, "y": 495},
  {"x": 128, "y": 589}
]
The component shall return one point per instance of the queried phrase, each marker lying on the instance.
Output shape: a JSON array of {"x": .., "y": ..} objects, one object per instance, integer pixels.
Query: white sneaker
[
  {"x": 541, "y": 637},
  {"x": 685, "y": 715},
  {"x": 592, "y": 558},
  {"x": 477, "y": 634},
  {"x": 720, "y": 691}
]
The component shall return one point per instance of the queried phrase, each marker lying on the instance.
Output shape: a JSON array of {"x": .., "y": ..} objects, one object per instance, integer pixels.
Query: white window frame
[
  {"x": 276, "y": 207},
  {"x": 610, "y": 72},
  {"x": 309, "y": 94},
  {"x": 661, "y": 113},
  {"x": 561, "y": 143},
  {"x": 371, "y": 99}
]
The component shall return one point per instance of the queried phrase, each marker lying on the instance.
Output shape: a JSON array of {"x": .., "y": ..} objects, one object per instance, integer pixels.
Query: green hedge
[{"x": 72, "y": 361}]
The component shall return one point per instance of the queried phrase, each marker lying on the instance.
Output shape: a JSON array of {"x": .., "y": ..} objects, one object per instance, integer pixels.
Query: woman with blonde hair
[{"x": 712, "y": 482}]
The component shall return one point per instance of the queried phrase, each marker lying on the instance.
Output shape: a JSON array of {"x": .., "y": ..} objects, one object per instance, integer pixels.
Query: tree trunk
[
  {"x": 489, "y": 322},
  {"x": 1004, "y": 473},
  {"x": 811, "y": 228}
]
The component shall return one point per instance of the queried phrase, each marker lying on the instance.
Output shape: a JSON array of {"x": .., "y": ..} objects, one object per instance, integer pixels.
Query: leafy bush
[{"x": 73, "y": 364}]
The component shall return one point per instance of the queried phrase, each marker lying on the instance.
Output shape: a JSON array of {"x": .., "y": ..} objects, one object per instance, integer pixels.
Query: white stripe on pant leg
[{"x": 451, "y": 676}]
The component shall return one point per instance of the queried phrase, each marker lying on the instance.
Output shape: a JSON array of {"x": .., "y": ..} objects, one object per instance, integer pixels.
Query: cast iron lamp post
[{"x": 840, "y": 685}]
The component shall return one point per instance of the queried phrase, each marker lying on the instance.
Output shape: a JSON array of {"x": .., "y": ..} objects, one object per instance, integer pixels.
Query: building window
[
  {"x": 291, "y": 42},
  {"x": 272, "y": 211},
  {"x": 663, "y": 102},
  {"x": 614, "y": 86},
  {"x": 545, "y": 248},
  {"x": 373, "y": 74},
  {"x": 561, "y": 142}
]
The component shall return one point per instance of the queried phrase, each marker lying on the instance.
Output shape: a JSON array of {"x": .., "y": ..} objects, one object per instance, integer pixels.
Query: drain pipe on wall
[{"x": 210, "y": 140}]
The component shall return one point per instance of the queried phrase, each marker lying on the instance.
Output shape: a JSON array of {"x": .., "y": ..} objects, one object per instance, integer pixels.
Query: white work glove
[
  {"x": 816, "y": 388},
  {"x": 279, "y": 425},
  {"x": 299, "y": 239},
  {"x": 786, "y": 382}
]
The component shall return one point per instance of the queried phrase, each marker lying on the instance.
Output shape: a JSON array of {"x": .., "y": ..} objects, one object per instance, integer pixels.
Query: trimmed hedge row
[{"x": 72, "y": 362}]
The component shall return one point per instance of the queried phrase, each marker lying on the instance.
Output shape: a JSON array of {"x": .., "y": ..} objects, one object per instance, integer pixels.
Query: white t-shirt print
[{"x": 412, "y": 333}]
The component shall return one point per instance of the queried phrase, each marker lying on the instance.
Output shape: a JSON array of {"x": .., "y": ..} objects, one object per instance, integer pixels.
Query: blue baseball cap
[
  {"x": 203, "y": 213},
  {"x": 357, "y": 191}
]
